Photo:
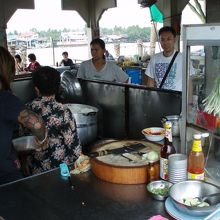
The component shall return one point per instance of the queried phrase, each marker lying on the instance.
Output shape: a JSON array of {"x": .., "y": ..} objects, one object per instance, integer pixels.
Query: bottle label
[
  {"x": 168, "y": 134},
  {"x": 197, "y": 146},
  {"x": 196, "y": 176},
  {"x": 164, "y": 168}
]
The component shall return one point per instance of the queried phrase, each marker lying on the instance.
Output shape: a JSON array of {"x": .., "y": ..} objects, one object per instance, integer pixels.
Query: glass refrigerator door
[
  {"x": 201, "y": 92},
  {"x": 203, "y": 86}
]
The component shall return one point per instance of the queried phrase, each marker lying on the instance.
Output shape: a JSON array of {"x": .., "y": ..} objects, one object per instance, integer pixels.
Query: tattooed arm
[{"x": 33, "y": 122}]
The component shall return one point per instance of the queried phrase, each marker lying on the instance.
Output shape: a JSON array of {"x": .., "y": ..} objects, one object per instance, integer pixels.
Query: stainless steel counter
[{"x": 48, "y": 196}]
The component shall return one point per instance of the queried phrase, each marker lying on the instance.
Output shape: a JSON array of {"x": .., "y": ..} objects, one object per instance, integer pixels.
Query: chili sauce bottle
[
  {"x": 196, "y": 160},
  {"x": 166, "y": 150}
]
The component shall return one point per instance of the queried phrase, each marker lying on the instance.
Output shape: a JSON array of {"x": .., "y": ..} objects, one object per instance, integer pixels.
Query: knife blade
[{"x": 121, "y": 150}]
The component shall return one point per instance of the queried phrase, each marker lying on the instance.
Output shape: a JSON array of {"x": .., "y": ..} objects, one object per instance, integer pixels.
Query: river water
[{"x": 49, "y": 56}]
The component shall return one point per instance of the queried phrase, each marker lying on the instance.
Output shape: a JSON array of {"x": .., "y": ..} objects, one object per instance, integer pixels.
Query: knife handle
[{"x": 98, "y": 153}]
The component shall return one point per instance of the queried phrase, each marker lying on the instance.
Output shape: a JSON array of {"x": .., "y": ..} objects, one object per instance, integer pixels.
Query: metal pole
[{"x": 53, "y": 51}]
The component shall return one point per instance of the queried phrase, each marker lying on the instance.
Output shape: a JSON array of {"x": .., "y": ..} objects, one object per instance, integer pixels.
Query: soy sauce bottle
[{"x": 166, "y": 150}]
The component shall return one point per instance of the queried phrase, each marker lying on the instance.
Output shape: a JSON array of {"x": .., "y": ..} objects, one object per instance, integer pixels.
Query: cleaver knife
[{"x": 118, "y": 151}]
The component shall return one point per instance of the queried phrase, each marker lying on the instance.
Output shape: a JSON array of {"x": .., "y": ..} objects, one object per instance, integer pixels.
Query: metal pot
[
  {"x": 86, "y": 121},
  {"x": 70, "y": 88},
  {"x": 175, "y": 120}
]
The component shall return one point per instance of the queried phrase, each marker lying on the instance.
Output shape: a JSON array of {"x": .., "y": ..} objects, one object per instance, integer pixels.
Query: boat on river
[{"x": 76, "y": 38}]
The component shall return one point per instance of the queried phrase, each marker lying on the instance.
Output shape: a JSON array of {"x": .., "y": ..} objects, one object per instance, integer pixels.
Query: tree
[
  {"x": 153, "y": 38},
  {"x": 156, "y": 16}
]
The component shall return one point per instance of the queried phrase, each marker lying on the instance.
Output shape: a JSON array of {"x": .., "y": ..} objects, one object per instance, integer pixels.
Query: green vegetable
[
  {"x": 212, "y": 101},
  {"x": 160, "y": 191},
  {"x": 194, "y": 202},
  {"x": 151, "y": 156}
]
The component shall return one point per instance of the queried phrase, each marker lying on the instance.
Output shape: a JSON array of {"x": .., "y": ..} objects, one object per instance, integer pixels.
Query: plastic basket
[{"x": 134, "y": 75}]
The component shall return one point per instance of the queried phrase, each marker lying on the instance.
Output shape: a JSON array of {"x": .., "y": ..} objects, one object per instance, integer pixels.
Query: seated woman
[
  {"x": 13, "y": 112},
  {"x": 33, "y": 65},
  {"x": 64, "y": 144},
  {"x": 97, "y": 68},
  {"x": 19, "y": 64}
]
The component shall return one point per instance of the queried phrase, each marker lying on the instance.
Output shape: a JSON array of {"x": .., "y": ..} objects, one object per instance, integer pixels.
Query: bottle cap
[
  {"x": 168, "y": 124},
  {"x": 197, "y": 136},
  {"x": 205, "y": 135}
]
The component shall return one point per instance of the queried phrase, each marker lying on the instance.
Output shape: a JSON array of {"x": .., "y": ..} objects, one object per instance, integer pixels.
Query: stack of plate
[{"x": 177, "y": 168}]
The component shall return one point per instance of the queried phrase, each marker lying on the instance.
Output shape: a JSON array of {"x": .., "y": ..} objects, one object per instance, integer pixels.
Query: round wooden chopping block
[{"x": 117, "y": 169}]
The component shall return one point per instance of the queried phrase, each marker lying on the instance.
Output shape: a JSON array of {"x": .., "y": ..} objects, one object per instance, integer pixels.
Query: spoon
[{"x": 204, "y": 198}]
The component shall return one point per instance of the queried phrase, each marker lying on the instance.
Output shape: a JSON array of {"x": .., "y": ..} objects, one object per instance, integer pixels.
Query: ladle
[{"x": 204, "y": 198}]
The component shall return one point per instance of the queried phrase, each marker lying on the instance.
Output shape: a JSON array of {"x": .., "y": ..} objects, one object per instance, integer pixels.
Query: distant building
[
  {"x": 27, "y": 39},
  {"x": 72, "y": 38},
  {"x": 115, "y": 38}
]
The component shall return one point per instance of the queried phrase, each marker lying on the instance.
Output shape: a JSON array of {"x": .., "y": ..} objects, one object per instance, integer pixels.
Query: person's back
[
  {"x": 64, "y": 144},
  {"x": 13, "y": 113},
  {"x": 108, "y": 56}
]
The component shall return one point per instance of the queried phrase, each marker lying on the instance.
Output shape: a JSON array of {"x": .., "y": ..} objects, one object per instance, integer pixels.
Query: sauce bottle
[
  {"x": 196, "y": 159},
  {"x": 153, "y": 171},
  {"x": 166, "y": 150}
]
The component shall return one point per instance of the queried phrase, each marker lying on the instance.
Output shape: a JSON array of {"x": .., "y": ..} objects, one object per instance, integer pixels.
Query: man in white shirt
[{"x": 159, "y": 63}]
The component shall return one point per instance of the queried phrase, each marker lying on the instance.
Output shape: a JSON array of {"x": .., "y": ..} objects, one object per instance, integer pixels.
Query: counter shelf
[{"x": 49, "y": 196}]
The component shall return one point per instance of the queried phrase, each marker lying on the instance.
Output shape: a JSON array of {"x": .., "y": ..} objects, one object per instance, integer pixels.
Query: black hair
[
  {"x": 98, "y": 41},
  {"x": 32, "y": 56},
  {"x": 65, "y": 53},
  {"x": 18, "y": 57},
  {"x": 7, "y": 68},
  {"x": 47, "y": 80},
  {"x": 167, "y": 29}
]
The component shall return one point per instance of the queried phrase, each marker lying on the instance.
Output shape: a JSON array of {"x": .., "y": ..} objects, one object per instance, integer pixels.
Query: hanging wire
[{"x": 157, "y": 36}]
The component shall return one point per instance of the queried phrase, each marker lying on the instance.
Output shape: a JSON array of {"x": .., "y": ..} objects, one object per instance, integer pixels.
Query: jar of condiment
[{"x": 153, "y": 171}]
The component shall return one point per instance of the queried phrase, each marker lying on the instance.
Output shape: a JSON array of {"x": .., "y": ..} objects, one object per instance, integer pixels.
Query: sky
[
  {"x": 127, "y": 13},
  {"x": 25, "y": 19}
]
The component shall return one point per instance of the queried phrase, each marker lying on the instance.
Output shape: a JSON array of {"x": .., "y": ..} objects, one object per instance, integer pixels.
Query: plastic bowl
[
  {"x": 154, "y": 133},
  {"x": 24, "y": 143},
  {"x": 191, "y": 189},
  {"x": 159, "y": 189}
]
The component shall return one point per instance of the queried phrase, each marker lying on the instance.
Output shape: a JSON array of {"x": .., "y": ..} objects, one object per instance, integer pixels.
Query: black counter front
[{"x": 50, "y": 197}]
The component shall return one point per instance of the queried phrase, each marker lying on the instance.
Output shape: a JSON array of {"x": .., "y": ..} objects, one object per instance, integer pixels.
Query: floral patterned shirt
[{"x": 64, "y": 144}]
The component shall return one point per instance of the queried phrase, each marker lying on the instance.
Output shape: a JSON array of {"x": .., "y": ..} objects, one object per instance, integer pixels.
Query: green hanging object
[{"x": 156, "y": 15}]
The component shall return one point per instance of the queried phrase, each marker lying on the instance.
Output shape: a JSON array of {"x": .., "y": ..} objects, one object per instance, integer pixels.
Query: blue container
[{"x": 134, "y": 75}]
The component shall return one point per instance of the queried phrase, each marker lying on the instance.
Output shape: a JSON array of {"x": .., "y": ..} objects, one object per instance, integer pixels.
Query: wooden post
[{"x": 3, "y": 37}]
